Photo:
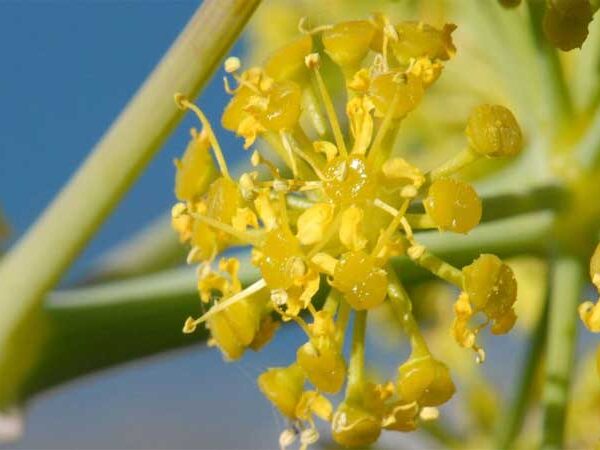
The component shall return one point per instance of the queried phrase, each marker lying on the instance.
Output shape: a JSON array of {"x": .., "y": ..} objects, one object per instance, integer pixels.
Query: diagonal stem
[{"x": 38, "y": 260}]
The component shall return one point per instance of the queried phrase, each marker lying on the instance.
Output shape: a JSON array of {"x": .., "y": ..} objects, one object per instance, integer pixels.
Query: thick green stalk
[
  {"x": 38, "y": 260},
  {"x": 587, "y": 150},
  {"x": 566, "y": 292},
  {"x": 514, "y": 413}
]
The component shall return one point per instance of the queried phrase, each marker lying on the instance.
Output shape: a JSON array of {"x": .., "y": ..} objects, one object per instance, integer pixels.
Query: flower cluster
[
  {"x": 588, "y": 311},
  {"x": 327, "y": 211}
]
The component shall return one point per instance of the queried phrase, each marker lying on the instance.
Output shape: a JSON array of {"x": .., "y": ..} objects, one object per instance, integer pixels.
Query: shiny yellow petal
[
  {"x": 313, "y": 223},
  {"x": 351, "y": 234}
]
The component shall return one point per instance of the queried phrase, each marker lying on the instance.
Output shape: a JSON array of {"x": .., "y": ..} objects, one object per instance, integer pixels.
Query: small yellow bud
[
  {"x": 493, "y": 131},
  {"x": 349, "y": 181},
  {"x": 426, "y": 381},
  {"x": 361, "y": 280},
  {"x": 280, "y": 250},
  {"x": 453, "y": 205}
]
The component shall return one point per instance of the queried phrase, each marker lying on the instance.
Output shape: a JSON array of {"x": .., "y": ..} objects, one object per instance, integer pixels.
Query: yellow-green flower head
[{"x": 327, "y": 209}]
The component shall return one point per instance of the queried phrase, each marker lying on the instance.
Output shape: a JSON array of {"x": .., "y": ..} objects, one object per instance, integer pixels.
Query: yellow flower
[
  {"x": 334, "y": 210},
  {"x": 489, "y": 287}
]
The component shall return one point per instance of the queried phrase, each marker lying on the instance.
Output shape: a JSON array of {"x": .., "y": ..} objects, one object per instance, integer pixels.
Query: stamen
[
  {"x": 458, "y": 162},
  {"x": 227, "y": 86},
  {"x": 312, "y": 62},
  {"x": 244, "y": 236},
  {"x": 226, "y": 303},
  {"x": 385, "y": 125},
  {"x": 294, "y": 147},
  {"x": 288, "y": 147},
  {"x": 183, "y": 103},
  {"x": 257, "y": 159},
  {"x": 387, "y": 234}
]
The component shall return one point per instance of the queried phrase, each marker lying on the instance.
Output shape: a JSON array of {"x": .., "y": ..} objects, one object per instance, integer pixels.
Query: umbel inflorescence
[{"x": 328, "y": 210}]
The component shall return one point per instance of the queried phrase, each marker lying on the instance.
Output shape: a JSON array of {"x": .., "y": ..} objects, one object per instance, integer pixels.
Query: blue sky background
[{"x": 68, "y": 68}]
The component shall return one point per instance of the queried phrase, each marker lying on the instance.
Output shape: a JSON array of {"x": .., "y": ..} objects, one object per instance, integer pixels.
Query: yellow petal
[
  {"x": 265, "y": 210},
  {"x": 325, "y": 263},
  {"x": 361, "y": 123},
  {"x": 399, "y": 171},
  {"x": 249, "y": 128},
  {"x": 426, "y": 70},
  {"x": 360, "y": 81},
  {"x": 351, "y": 229},
  {"x": 196, "y": 170},
  {"x": 313, "y": 223},
  {"x": 244, "y": 218}
]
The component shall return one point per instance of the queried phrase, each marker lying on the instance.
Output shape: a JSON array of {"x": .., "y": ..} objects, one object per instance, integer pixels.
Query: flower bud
[
  {"x": 493, "y": 131},
  {"x": 426, "y": 381},
  {"x": 453, "y": 205},
  {"x": 358, "y": 277}
]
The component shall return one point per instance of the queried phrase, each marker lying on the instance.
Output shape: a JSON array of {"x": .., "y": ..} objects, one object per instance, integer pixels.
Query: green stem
[
  {"x": 511, "y": 422},
  {"x": 556, "y": 92},
  {"x": 588, "y": 148},
  {"x": 402, "y": 307},
  {"x": 356, "y": 366},
  {"x": 39, "y": 259},
  {"x": 566, "y": 291},
  {"x": 92, "y": 328}
]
